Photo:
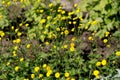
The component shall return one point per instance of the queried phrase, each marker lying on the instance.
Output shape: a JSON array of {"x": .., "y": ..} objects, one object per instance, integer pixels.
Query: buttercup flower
[
  {"x": 48, "y": 68},
  {"x": 96, "y": 72},
  {"x": 50, "y": 5},
  {"x": 18, "y": 40},
  {"x": 36, "y": 69},
  {"x": 40, "y": 75},
  {"x": 117, "y": 53},
  {"x": 32, "y": 76},
  {"x": 17, "y": 68},
  {"x": 41, "y": 11},
  {"x": 72, "y": 49},
  {"x": 75, "y": 5},
  {"x": 105, "y": 40},
  {"x": 20, "y": 24},
  {"x": 72, "y": 44},
  {"x": 19, "y": 34},
  {"x": 90, "y": 38},
  {"x": 57, "y": 29},
  {"x": 16, "y": 30},
  {"x": 72, "y": 78},
  {"x": 26, "y": 79},
  {"x": 42, "y": 21},
  {"x": 49, "y": 72},
  {"x": 28, "y": 46},
  {"x": 65, "y": 46},
  {"x": 57, "y": 75},
  {"x": 104, "y": 62},
  {"x": 98, "y": 63},
  {"x": 26, "y": 25},
  {"x": 21, "y": 59},
  {"x": 44, "y": 65},
  {"x": 66, "y": 74}
]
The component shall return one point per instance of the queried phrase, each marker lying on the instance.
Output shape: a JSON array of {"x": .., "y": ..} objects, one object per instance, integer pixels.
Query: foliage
[
  {"x": 4, "y": 21},
  {"x": 44, "y": 40},
  {"x": 102, "y": 16}
]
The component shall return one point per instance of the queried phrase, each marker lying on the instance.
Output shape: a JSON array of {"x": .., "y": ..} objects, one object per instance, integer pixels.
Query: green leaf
[{"x": 101, "y": 5}]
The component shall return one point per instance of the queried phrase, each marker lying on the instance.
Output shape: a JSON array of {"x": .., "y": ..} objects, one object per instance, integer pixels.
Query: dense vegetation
[{"x": 59, "y": 39}]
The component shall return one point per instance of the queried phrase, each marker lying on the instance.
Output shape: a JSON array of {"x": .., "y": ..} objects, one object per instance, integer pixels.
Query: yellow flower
[
  {"x": 66, "y": 32},
  {"x": 20, "y": 24},
  {"x": 104, "y": 62},
  {"x": 48, "y": 68},
  {"x": 47, "y": 43},
  {"x": 70, "y": 13},
  {"x": 57, "y": 29},
  {"x": 105, "y": 40},
  {"x": 66, "y": 74},
  {"x": 59, "y": 10},
  {"x": 72, "y": 44},
  {"x": 98, "y": 63},
  {"x": 75, "y": 5},
  {"x": 117, "y": 53},
  {"x": 16, "y": 30},
  {"x": 32, "y": 76},
  {"x": 57, "y": 75},
  {"x": 2, "y": 34},
  {"x": 74, "y": 22},
  {"x": 96, "y": 72},
  {"x": 70, "y": 22},
  {"x": 17, "y": 68},
  {"x": 44, "y": 65},
  {"x": 63, "y": 18},
  {"x": 107, "y": 33},
  {"x": 108, "y": 45},
  {"x": 73, "y": 29},
  {"x": 74, "y": 38},
  {"x": 41, "y": 11},
  {"x": 26, "y": 79},
  {"x": 54, "y": 47},
  {"x": 8, "y": 63},
  {"x": 19, "y": 34},
  {"x": 63, "y": 12},
  {"x": 65, "y": 46},
  {"x": 36, "y": 69},
  {"x": 49, "y": 71},
  {"x": 72, "y": 49},
  {"x": 77, "y": 10},
  {"x": 8, "y": 3},
  {"x": 42, "y": 21},
  {"x": 72, "y": 78},
  {"x": 48, "y": 17},
  {"x": 48, "y": 74},
  {"x": 14, "y": 54},
  {"x": 40, "y": 75},
  {"x": 90, "y": 38},
  {"x": 3, "y": 2},
  {"x": 97, "y": 76},
  {"x": 18, "y": 40},
  {"x": 26, "y": 25},
  {"x": 21, "y": 59},
  {"x": 50, "y": 5},
  {"x": 28, "y": 46},
  {"x": 16, "y": 48}
]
